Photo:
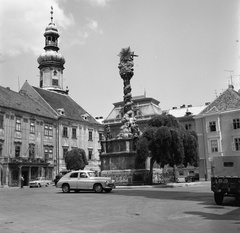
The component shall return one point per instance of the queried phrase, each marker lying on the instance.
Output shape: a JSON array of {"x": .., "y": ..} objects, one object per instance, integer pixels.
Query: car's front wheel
[
  {"x": 98, "y": 188},
  {"x": 65, "y": 188}
]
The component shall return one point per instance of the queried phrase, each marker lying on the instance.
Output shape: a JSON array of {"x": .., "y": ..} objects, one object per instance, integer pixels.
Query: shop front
[{"x": 30, "y": 169}]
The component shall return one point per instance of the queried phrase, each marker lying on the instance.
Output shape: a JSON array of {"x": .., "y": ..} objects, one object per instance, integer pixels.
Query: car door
[
  {"x": 73, "y": 180},
  {"x": 83, "y": 182}
]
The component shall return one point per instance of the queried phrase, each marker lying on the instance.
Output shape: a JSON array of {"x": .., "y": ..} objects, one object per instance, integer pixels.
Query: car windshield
[
  {"x": 92, "y": 174},
  {"x": 38, "y": 178}
]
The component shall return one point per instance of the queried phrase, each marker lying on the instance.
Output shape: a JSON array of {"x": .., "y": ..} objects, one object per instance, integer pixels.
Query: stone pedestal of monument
[{"x": 118, "y": 162}]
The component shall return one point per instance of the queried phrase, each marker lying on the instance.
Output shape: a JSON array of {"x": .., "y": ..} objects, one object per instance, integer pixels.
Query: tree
[
  {"x": 76, "y": 159},
  {"x": 190, "y": 143},
  {"x": 168, "y": 143}
]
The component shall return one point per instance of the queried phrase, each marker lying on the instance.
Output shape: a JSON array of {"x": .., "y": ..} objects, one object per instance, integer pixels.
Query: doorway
[{"x": 25, "y": 175}]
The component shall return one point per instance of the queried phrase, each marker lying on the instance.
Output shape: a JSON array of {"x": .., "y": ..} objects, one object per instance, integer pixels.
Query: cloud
[
  {"x": 93, "y": 25},
  {"x": 23, "y": 24},
  {"x": 101, "y": 3}
]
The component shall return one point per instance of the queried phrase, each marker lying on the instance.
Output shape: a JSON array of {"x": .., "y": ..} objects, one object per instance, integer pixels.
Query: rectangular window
[
  {"x": 18, "y": 124},
  {"x": 32, "y": 127},
  {"x": 237, "y": 143},
  {"x": 65, "y": 150},
  {"x": 0, "y": 150},
  {"x": 212, "y": 126},
  {"x": 65, "y": 131},
  {"x": 1, "y": 121},
  {"x": 17, "y": 151},
  {"x": 74, "y": 133},
  {"x": 31, "y": 151},
  {"x": 214, "y": 146},
  {"x": 55, "y": 82},
  {"x": 236, "y": 123},
  {"x": 48, "y": 152},
  {"x": 90, "y": 138},
  {"x": 89, "y": 154},
  {"x": 48, "y": 130},
  {"x": 100, "y": 136}
]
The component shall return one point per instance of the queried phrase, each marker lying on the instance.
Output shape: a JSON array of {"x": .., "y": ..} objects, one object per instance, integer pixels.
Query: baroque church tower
[{"x": 51, "y": 62}]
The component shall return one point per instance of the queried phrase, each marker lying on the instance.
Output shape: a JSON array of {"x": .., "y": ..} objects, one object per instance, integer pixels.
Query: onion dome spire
[{"x": 51, "y": 61}]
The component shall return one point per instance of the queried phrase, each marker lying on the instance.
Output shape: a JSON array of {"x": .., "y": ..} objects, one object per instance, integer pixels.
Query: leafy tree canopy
[
  {"x": 76, "y": 159},
  {"x": 167, "y": 142}
]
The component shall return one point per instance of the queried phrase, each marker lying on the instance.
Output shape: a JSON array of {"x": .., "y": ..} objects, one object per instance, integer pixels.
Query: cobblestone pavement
[{"x": 180, "y": 209}]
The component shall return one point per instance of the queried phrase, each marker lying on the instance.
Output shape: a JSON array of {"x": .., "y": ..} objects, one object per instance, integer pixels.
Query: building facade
[
  {"x": 27, "y": 139},
  {"x": 218, "y": 129}
]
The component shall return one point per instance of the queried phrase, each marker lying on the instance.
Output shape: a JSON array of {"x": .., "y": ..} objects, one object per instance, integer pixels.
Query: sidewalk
[{"x": 169, "y": 185}]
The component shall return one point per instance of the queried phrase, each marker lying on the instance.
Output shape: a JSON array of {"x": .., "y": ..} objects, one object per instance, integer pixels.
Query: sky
[{"x": 187, "y": 49}]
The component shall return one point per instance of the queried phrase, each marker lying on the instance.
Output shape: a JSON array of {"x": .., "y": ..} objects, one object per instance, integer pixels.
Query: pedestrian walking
[{"x": 22, "y": 181}]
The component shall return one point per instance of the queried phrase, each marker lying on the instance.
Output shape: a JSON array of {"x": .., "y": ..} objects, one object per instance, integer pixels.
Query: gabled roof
[
  {"x": 22, "y": 102},
  {"x": 227, "y": 101},
  {"x": 61, "y": 101}
]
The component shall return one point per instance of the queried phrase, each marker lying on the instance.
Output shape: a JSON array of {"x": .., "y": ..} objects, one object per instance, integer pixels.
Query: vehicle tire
[
  {"x": 46, "y": 184},
  {"x": 65, "y": 188},
  {"x": 218, "y": 197},
  {"x": 97, "y": 188},
  {"x": 39, "y": 185},
  {"x": 107, "y": 190}
]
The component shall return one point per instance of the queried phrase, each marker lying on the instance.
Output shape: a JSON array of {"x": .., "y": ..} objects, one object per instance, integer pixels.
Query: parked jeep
[{"x": 225, "y": 180}]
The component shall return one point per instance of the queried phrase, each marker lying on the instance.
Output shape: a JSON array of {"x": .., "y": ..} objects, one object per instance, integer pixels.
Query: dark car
[
  {"x": 59, "y": 176},
  {"x": 192, "y": 178}
]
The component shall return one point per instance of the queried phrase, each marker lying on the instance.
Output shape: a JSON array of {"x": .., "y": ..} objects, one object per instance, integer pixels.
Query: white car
[
  {"x": 39, "y": 182},
  {"x": 85, "y": 180}
]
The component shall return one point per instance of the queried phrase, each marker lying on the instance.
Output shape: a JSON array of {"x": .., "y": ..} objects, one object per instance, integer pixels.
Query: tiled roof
[
  {"x": 147, "y": 107},
  {"x": 227, "y": 101},
  {"x": 22, "y": 102},
  {"x": 60, "y": 101}
]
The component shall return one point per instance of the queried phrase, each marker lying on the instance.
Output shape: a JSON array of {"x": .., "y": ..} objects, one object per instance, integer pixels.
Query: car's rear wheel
[
  {"x": 98, "y": 188},
  {"x": 39, "y": 185},
  {"x": 108, "y": 190},
  {"x": 65, "y": 188}
]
